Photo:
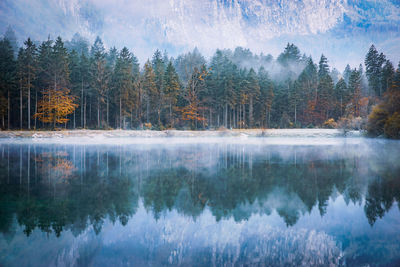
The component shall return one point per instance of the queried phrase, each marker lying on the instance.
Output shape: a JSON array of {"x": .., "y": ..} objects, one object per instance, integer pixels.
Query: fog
[{"x": 340, "y": 29}]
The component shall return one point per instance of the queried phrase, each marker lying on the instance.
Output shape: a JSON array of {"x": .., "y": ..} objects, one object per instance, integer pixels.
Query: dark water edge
[{"x": 311, "y": 202}]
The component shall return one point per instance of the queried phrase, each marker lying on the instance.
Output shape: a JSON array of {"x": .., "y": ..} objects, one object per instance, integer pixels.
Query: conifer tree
[
  {"x": 125, "y": 92},
  {"x": 253, "y": 92},
  {"x": 7, "y": 80},
  {"x": 373, "y": 64},
  {"x": 171, "y": 89},
  {"x": 149, "y": 87},
  {"x": 99, "y": 76}
]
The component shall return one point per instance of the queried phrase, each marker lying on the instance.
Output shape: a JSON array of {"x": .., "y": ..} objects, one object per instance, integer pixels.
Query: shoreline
[{"x": 240, "y": 133}]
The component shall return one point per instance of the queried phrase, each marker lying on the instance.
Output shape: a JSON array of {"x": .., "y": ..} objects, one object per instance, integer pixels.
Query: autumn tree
[
  {"x": 55, "y": 106},
  {"x": 192, "y": 110}
]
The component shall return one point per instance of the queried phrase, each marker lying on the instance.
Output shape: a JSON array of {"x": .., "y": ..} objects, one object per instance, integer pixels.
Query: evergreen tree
[
  {"x": 75, "y": 79},
  {"x": 347, "y": 73},
  {"x": 355, "y": 90},
  {"x": 84, "y": 73},
  {"x": 253, "y": 92},
  {"x": 373, "y": 64},
  {"x": 7, "y": 80},
  {"x": 158, "y": 95},
  {"x": 149, "y": 87},
  {"x": 12, "y": 39},
  {"x": 325, "y": 91},
  {"x": 341, "y": 96},
  {"x": 290, "y": 55},
  {"x": 124, "y": 86},
  {"x": 388, "y": 72},
  {"x": 99, "y": 76},
  {"x": 266, "y": 96},
  {"x": 171, "y": 90}
]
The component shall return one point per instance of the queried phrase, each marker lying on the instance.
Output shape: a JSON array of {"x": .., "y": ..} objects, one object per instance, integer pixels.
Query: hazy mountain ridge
[{"x": 178, "y": 25}]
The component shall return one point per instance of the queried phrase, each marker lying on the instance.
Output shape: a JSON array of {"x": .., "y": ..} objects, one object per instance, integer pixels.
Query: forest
[{"x": 60, "y": 84}]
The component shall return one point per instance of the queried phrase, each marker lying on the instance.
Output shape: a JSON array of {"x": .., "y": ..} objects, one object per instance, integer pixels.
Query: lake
[{"x": 200, "y": 202}]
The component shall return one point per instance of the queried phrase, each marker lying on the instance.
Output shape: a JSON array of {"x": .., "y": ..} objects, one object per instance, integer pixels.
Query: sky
[{"x": 342, "y": 30}]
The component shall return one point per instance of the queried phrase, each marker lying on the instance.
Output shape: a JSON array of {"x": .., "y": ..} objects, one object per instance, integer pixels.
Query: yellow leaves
[
  {"x": 55, "y": 105},
  {"x": 392, "y": 126}
]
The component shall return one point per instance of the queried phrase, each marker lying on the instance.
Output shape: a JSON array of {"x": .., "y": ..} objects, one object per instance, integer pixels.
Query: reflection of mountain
[{"x": 76, "y": 186}]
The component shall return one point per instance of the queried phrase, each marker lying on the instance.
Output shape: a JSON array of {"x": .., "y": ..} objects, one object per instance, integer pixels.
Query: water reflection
[{"x": 73, "y": 188}]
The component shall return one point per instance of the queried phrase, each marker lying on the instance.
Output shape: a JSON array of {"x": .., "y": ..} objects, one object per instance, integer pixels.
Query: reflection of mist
[
  {"x": 232, "y": 180},
  {"x": 216, "y": 187}
]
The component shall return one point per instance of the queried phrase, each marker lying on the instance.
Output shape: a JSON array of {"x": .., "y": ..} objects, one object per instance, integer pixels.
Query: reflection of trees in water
[{"x": 72, "y": 187}]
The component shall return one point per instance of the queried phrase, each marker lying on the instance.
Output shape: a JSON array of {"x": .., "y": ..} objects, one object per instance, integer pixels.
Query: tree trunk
[
  {"x": 36, "y": 97},
  {"x": 29, "y": 100},
  {"x": 147, "y": 109},
  {"x": 120, "y": 112},
  {"x": 8, "y": 109},
  {"x": 98, "y": 112},
  {"x": 82, "y": 107},
  {"x": 170, "y": 115},
  {"x": 244, "y": 115},
  {"x": 84, "y": 114},
  {"x": 226, "y": 116},
  {"x": 20, "y": 102},
  {"x": 210, "y": 122},
  {"x": 251, "y": 120},
  {"x": 107, "y": 112}
]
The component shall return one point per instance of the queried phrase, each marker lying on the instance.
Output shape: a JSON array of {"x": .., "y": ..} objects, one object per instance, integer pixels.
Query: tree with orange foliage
[
  {"x": 191, "y": 112},
  {"x": 55, "y": 105},
  {"x": 385, "y": 117}
]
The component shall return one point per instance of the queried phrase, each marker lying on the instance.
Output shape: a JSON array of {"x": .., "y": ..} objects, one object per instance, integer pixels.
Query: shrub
[
  {"x": 147, "y": 126},
  {"x": 392, "y": 126},
  {"x": 351, "y": 123},
  {"x": 330, "y": 124},
  {"x": 376, "y": 121}
]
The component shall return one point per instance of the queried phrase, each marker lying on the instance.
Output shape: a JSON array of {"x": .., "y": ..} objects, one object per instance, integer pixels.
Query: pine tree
[
  {"x": 341, "y": 98},
  {"x": 158, "y": 95},
  {"x": 373, "y": 64},
  {"x": 99, "y": 76},
  {"x": 84, "y": 73},
  {"x": 149, "y": 87},
  {"x": 125, "y": 92},
  {"x": 171, "y": 89},
  {"x": 253, "y": 92},
  {"x": 308, "y": 83},
  {"x": 387, "y": 76},
  {"x": 346, "y": 74},
  {"x": 31, "y": 68},
  {"x": 267, "y": 96},
  {"x": 7, "y": 80},
  {"x": 12, "y": 39},
  {"x": 290, "y": 55},
  {"x": 355, "y": 90},
  {"x": 75, "y": 79},
  {"x": 325, "y": 91}
]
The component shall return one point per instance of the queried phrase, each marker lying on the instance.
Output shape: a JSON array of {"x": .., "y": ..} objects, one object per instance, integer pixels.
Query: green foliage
[{"x": 112, "y": 89}]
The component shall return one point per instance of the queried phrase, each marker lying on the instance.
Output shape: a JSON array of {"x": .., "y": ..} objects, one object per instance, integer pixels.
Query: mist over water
[{"x": 201, "y": 202}]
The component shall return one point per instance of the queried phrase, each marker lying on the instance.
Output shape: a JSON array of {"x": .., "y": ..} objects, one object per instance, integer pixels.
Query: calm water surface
[{"x": 218, "y": 202}]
